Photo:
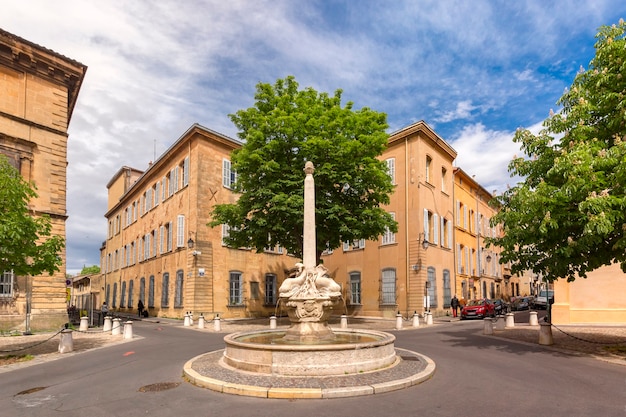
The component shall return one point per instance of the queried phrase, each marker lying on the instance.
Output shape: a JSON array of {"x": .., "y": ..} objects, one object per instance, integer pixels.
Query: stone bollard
[
  {"x": 201, "y": 321},
  {"x": 272, "y": 322},
  {"x": 532, "y": 320},
  {"x": 84, "y": 324},
  {"x": 429, "y": 318},
  {"x": 344, "y": 321},
  {"x": 128, "y": 330},
  {"x": 217, "y": 326},
  {"x": 187, "y": 321},
  {"x": 487, "y": 326},
  {"x": 510, "y": 320},
  {"x": 116, "y": 329},
  {"x": 416, "y": 320},
  {"x": 500, "y": 323},
  {"x": 107, "y": 324},
  {"x": 66, "y": 343},
  {"x": 398, "y": 321},
  {"x": 545, "y": 334}
]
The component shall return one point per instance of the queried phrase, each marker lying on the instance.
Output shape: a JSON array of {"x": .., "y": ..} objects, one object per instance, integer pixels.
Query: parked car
[
  {"x": 541, "y": 302},
  {"x": 522, "y": 303},
  {"x": 478, "y": 309}
]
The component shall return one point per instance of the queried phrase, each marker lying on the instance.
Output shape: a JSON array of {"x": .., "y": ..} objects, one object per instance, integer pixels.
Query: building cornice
[
  {"x": 21, "y": 54},
  {"x": 427, "y": 131}
]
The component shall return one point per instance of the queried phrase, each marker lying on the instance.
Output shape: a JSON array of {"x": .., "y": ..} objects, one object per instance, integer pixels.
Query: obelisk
[{"x": 309, "y": 246}]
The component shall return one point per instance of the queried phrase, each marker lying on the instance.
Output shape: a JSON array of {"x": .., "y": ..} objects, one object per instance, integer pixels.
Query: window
[
  {"x": 157, "y": 193},
  {"x": 388, "y": 287},
  {"x": 108, "y": 294},
  {"x": 6, "y": 284},
  {"x": 270, "y": 289},
  {"x": 162, "y": 239},
  {"x": 146, "y": 246},
  {"x": 432, "y": 287},
  {"x": 355, "y": 288},
  {"x": 447, "y": 296},
  {"x": 131, "y": 285},
  {"x": 391, "y": 169},
  {"x": 164, "y": 189},
  {"x": 444, "y": 179},
  {"x": 114, "y": 302},
  {"x": 225, "y": 234},
  {"x": 186, "y": 172},
  {"x": 229, "y": 177},
  {"x": 151, "y": 291},
  {"x": 142, "y": 290},
  {"x": 429, "y": 163},
  {"x": 178, "y": 295},
  {"x": 165, "y": 286},
  {"x": 389, "y": 237},
  {"x": 173, "y": 180},
  {"x": 169, "y": 231},
  {"x": 180, "y": 231},
  {"x": 123, "y": 294},
  {"x": 446, "y": 233},
  {"x": 155, "y": 239},
  {"x": 235, "y": 297}
]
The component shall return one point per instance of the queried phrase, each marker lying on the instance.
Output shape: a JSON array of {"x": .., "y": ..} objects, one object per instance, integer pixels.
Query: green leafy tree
[
  {"x": 568, "y": 217},
  {"x": 88, "y": 270},
  {"x": 27, "y": 246},
  {"x": 285, "y": 128}
]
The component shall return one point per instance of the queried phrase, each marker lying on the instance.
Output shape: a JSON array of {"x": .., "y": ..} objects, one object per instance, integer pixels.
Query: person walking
[
  {"x": 454, "y": 303},
  {"x": 140, "y": 308}
]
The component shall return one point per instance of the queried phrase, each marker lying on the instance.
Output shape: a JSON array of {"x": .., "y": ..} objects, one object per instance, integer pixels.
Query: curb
[{"x": 261, "y": 390}]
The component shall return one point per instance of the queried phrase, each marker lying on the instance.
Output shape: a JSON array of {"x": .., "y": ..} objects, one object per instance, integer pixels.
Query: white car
[{"x": 541, "y": 300}]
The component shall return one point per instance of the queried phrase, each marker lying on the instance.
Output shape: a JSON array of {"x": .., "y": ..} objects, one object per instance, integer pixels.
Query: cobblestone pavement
[{"x": 602, "y": 342}]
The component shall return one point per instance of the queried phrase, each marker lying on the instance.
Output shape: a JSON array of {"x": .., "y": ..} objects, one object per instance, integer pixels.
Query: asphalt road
[{"x": 476, "y": 376}]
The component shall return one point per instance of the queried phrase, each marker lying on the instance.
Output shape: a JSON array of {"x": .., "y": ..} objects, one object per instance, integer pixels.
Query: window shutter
[
  {"x": 186, "y": 172},
  {"x": 435, "y": 229},
  {"x": 180, "y": 231}
]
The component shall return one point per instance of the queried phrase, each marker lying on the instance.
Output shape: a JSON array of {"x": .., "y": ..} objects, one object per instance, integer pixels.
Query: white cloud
[{"x": 473, "y": 70}]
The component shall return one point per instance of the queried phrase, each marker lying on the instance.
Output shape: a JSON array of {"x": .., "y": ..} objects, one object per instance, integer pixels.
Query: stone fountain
[{"x": 309, "y": 347}]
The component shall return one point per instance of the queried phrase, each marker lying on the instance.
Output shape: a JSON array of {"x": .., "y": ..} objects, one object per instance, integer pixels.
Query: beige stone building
[
  {"x": 160, "y": 250},
  {"x": 479, "y": 273},
  {"x": 598, "y": 299},
  {"x": 38, "y": 92},
  {"x": 412, "y": 270}
]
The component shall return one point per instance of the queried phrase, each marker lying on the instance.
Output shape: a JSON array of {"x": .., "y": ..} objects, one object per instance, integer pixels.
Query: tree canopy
[
  {"x": 285, "y": 128},
  {"x": 568, "y": 217},
  {"x": 27, "y": 246},
  {"x": 88, "y": 270}
]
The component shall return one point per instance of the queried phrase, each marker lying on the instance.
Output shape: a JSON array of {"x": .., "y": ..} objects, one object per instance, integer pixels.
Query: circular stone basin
[{"x": 351, "y": 352}]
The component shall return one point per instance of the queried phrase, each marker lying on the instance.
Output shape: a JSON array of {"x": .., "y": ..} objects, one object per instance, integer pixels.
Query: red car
[{"x": 478, "y": 309}]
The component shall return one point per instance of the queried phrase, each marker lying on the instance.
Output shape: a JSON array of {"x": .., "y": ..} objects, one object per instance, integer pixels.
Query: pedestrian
[
  {"x": 454, "y": 303},
  {"x": 140, "y": 308},
  {"x": 104, "y": 309}
]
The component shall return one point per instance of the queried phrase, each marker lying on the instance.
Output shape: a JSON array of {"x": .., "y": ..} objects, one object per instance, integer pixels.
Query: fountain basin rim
[{"x": 382, "y": 338}]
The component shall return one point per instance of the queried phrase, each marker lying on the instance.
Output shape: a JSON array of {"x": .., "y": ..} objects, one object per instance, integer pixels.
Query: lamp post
[{"x": 424, "y": 243}]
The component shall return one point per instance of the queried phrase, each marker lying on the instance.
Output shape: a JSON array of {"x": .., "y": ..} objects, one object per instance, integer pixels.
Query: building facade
[
  {"x": 38, "y": 92},
  {"x": 412, "y": 270},
  {"x": 160, "y": 250},
  {"x": 479, "y": 273}
]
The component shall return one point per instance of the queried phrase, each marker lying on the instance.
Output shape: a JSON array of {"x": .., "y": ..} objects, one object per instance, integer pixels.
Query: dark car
[
  {"x": 522, "y": 303},
  {"x": 500, "y": 306},
  {"x": 478, "y": 309}
]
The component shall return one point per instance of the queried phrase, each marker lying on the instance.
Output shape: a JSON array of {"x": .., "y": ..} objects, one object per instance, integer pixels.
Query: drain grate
[
  {"x": 409, "y": 358},
  {"x": 159, "y": 386}
]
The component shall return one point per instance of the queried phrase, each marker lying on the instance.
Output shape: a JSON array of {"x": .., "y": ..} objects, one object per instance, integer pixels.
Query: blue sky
[{"x": 475, "y": 71}]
